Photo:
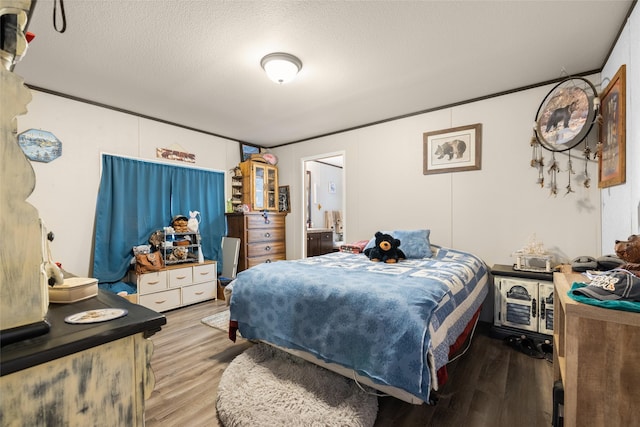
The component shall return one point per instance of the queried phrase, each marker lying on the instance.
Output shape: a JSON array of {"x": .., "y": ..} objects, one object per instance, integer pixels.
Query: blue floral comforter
[{"x": 377, "y": 319}]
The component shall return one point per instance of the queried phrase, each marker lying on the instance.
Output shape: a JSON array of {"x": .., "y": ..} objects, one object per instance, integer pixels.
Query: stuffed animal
[
  {"x": 179, "y": 224},
  {"x": 386, "y": 249},
  {"x": 629, "y": 251},
  {"x": 194, "y": 221}
]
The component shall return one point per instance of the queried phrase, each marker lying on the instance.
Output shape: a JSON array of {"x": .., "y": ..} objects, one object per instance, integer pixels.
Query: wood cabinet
[
  {"x": 319, "y": 242},
  {"x": 261, "y": 234},
  {"x": 176, "y": 285},
  {"x": 94, "y": 374},
  {"x": 259, "y": 186},
  {"x": 523, "y": 301},
  {"x": 596, "y": 354}
]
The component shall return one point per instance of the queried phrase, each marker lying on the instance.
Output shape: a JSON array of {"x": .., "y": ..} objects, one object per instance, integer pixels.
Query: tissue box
[{"x": 73, "y": 289}]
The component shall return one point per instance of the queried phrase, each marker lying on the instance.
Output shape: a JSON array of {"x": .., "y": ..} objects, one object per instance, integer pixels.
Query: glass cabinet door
[
  {"x": 272, "y": 189},
  {"x": 259, "y": 186}
]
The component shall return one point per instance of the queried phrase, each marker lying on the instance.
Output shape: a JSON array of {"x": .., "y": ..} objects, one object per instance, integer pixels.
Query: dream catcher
[{"x": 564, "y": 119}]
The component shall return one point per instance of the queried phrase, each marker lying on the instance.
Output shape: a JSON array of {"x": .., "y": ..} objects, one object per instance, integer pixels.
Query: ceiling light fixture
[{"x": 281, "y": 67}]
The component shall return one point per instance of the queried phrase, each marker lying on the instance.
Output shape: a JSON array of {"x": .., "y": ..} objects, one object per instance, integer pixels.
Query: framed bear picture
[{"x": 452, "y": 150}]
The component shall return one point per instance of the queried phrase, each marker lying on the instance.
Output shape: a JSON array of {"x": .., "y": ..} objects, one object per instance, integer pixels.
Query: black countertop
[
  {"x": 64, "y": 338},
  {"x": 508, "y": 270}
]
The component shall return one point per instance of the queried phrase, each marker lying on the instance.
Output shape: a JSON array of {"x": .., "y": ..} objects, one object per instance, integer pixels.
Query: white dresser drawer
[
  {"x": 180, "y": 277},
  {"x": 161, "y": 301},
  {"x": 204, "y": 273},
  {"x": 199, "y": 292},
  {"x": 152, "y": 282}
]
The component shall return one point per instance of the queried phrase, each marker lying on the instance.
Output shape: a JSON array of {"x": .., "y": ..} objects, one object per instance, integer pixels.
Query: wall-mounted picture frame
[
  {"x": 452, "y": 150},
  {"x": 284, "y": 201},
  {"x": 566, "y": 114},
  {"x": 246, "y": 150},
  {"x": 612, "y": 158}
]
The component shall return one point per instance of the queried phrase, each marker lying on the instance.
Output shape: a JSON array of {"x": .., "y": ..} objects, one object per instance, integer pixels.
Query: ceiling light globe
[{"x": 281, "y": 67}]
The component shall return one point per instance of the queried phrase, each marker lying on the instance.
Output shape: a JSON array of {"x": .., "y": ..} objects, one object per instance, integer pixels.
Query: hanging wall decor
[
  {"x": 563, "y": 120},
  {"x": 40, "y": 145},
  {"x": 612, "y": 154},
  {"x": 566, "y": 114},
  {"x": 176, "y": 153}
]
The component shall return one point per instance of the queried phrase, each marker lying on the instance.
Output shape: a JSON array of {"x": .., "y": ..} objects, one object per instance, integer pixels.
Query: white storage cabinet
[
  {"x": 176, "y": 285},
  {"x": 523, "y": 300}
]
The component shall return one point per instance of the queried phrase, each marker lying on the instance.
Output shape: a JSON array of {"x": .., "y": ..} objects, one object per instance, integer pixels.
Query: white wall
[
  {"x": 621, "y": 203},
  {"x": 66, "y": 188},
  {"x": 491, "y": 212}
]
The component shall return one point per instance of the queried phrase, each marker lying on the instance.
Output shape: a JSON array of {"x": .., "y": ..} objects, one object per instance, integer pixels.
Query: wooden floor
[{"x": 491, "y": 385}]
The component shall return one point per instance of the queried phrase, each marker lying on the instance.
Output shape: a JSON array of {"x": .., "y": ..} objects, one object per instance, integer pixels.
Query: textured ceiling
[{"x": 197, "y": 63}]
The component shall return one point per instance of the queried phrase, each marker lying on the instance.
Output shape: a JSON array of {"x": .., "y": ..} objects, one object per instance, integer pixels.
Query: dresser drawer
[
  {"x": 180, "y": 277},
  {"x": 161, "y": 301},
  {"x": 265, "y": 248},
  {"x": 199, "y": 292},
  {"x": 265, "y": 235},
  {"x": 258, "y": 221},
  {"x": 253, "y": 261},
  {"x": 204, "y": 273},
  {"x": 151, "y": 282}
]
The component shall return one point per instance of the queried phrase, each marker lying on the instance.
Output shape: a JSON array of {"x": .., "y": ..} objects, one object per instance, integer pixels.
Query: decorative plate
[
  {"x": 40, "y": 145},
  {"x": 95, "y": 316}
]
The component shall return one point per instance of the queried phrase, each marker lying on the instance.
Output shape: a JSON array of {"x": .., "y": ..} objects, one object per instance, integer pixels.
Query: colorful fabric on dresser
[{"x": 374, "y": 318}]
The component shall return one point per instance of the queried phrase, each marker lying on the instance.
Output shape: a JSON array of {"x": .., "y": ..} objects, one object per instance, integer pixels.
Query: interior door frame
[{"x": 303, "y": 206}]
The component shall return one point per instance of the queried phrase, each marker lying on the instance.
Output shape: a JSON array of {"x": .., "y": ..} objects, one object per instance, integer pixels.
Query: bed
[{"x": 389, "y": 326}]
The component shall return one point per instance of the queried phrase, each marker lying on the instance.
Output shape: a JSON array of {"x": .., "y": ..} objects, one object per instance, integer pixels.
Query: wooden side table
[{"x": 597, "y": 358}]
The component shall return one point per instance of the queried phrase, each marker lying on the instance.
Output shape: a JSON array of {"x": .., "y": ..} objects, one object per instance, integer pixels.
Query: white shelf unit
[{"x": 176, "y": 285}]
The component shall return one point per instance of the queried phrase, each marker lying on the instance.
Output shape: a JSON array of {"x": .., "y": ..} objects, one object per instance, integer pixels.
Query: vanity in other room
[{"x": 319, "y": 241}]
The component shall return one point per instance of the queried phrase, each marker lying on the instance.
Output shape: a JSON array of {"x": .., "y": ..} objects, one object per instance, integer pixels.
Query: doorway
[{"x": 324, "y": 197}]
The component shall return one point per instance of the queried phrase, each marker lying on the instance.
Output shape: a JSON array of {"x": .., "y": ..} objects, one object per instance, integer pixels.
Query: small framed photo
[
  {"x": 452, "y": 150},
  {"x": 284, "y": 202},
  {"x": 246, "y": 150},
  {"x": 332, "y": 187},
  {"x": 612, "y": 159}
]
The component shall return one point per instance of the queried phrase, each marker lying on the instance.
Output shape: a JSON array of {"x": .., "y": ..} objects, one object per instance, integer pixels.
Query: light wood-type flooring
[{"x": 491, "y": 385}]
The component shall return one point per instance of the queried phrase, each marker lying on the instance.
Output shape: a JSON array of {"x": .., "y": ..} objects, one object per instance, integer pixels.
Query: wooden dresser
[
  {"x": 596, "y": 354},
  {"x": 261, "y": 234}
]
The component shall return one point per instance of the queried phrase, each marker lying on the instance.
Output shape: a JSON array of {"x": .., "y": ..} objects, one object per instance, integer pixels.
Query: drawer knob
[
  {"x": 154, "y": 283},
  {"x": 267, "y": 234},
  {"x": 267, "y": 248},
  {"x": 181, "y": 277},
  {"x": 199, "y": 293}
]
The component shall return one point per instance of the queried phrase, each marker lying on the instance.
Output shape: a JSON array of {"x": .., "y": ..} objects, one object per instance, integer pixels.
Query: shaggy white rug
[{"x": 265, "y": 386}]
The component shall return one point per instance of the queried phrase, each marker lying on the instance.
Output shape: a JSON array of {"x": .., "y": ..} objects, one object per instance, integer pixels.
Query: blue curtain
[{"x": 137, "y": 198}]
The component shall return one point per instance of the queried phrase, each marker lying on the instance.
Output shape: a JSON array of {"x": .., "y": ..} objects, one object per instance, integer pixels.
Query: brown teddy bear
[
  {"x": 629, "y": 251},
  {"x": 179, "y": 224}
]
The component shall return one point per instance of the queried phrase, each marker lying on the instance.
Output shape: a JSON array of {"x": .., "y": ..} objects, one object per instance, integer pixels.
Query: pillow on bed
[{"x": 414, "y": 243}]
